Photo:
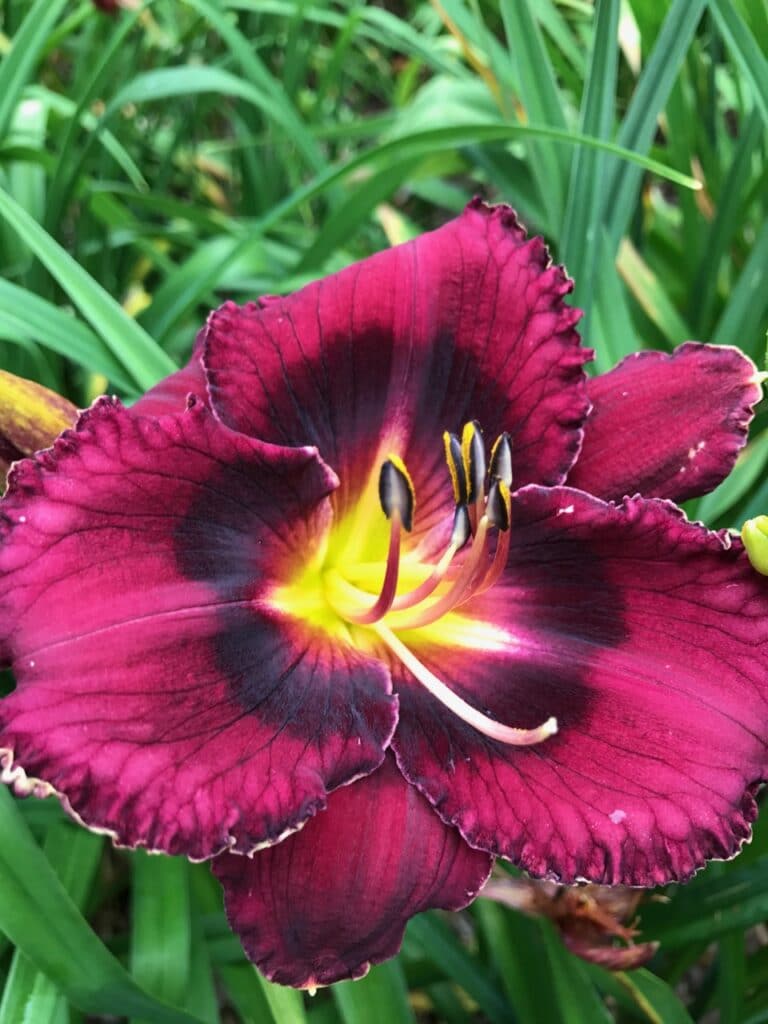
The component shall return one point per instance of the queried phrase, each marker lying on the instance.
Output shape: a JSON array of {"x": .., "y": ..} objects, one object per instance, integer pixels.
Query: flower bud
[
  {"x": 754, "y": 534},
  {"x": 31, "y": 417}
]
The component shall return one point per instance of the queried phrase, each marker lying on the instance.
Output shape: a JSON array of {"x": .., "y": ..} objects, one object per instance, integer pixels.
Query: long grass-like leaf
[
  {"x": 540, "y": 98},
  {"x": 133, "y": 348},
  {"x": 40, "y": 918},
  {"x": 647, "y": 103},
  {"x": 26, "y": 49},
  {"x": 584, "y": 209},
  {"x": 379, "y": 998},
  {"x": 744, "y": 48}
]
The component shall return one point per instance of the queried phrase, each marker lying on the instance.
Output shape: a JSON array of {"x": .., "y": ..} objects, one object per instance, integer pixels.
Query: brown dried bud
[{"x": 589, "y": 917}]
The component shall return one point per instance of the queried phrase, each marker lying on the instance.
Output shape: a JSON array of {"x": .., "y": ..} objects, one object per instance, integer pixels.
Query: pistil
[{"x": 487, "y": 726}]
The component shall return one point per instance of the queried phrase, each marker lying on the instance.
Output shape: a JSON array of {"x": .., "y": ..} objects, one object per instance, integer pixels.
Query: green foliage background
[{"x": 153, "y": 163}]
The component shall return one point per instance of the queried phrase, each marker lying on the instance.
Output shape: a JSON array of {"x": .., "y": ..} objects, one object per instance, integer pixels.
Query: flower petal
[
  {"x": 157, "y": 692},
  {"x": 667, "y": 426},
  {"x": 647, "y": 637},
  {"x": 333, "y": 899},
  {"x": 467, "y": 322},
  {"x": 170, "y": 394}
]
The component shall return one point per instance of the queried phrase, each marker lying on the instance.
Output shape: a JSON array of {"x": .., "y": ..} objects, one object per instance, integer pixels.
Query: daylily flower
[{"x": 372, "y": 606}]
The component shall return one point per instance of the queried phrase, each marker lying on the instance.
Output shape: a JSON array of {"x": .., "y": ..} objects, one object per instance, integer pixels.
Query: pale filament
[
  {"x": 487, "y": 726},
  {"x": 461, "y": 587}
]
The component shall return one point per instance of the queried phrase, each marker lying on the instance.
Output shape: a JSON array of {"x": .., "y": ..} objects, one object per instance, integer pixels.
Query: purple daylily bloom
[{"x": 228, "y": 641}]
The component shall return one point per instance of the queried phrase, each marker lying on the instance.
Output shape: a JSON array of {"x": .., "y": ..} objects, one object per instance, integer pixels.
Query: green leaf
[
  {"x": 440, "y": 945},
  {"x": 649, "y": 996},
  {"x": 24, "y": 315},
  {"x": 580, "y": 236},
  {"x": 709, "y": 906},
  {"x": 381, "y": 997},
  {"x": 29, "y": 996},
  {"x": 577, "y": 999},
  {"x": 743, "y": 317},
  {"x": 277, "y": 107},
  {"x": 648, "y": 101},
  {"x": 161, "y": 932},
  {"x": 540, "y": 97},
  {"x": 27, "y": 46},
  {"x": 137, "y": 353},
  {"x": 650, "y": 294},
  {"x": 286, "y": 1004},
  {"x": 744, "y": 48},
  {"x": 39, "y": 917}
]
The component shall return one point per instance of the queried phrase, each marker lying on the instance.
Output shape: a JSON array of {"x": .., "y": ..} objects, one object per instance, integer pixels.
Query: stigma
[{"x": 473, "y": 561}]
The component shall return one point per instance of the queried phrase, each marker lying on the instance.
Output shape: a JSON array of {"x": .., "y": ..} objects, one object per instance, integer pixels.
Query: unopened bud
[
  {"x": 754, "y": 534},
  {"x": 31, "y": 417}
]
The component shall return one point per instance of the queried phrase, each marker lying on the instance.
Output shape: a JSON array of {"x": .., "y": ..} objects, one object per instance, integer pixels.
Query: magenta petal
[
  {"x": 157, "y": 691},
  {"x": 328, "y": 902},
  {"x": 464, "y": 322},
  {"x": 667, "y": 426},
  {"x": 647, "y": 637},
  {"x": 170, "y": 394}
]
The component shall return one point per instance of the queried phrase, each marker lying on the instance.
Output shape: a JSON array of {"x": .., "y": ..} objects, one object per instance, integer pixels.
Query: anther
[
  {"x": 501, "y": 459},
  {"x": 462, "y": 528},
  {"x": 455, "y": 460},
  {"x": 499, "y": 505},
  {"x": 396, "y": 492},
  {"x": 474, "y": 459}
]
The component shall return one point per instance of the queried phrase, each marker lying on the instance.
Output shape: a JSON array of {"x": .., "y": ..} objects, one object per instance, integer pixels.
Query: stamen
[
  {"x": 502, "y": 501},
  {"x": 497, "y": 507},
  {"x": 500, "y": 467},
  {"x": 455, "y": 460},
  {"x": 459, "y": 589},
  {"x": 396, "y": 492},
  {"x": 459, "y": 536},
  {"x": 397, "y": 502},
  {"x": 487, "y": 726},
  {"x": 474, "y": 459}
]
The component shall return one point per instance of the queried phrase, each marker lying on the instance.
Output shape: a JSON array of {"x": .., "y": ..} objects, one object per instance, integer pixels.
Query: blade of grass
[
  {"x": 650, "y": 294},
  {"x": 26, "y": 48},
  {"x": 161, "y": 934},
  {"x": 613, "y": 331},
  {"x": 744, "y": 48},
  {"x": 134, "y": 349},
  {"x": 29, "y": 996},
  {"x": 439, "y": 945},
  {"x": 731, "y": 978},
  {"x": 245, "y": 992},
  {"x": 26, "y": 316},
  {"x": 381, "y": 997},
  {"x": 709, "y": 908},
  {"x": 180, "y": 293},
  {"x": 641, "y": 992},
  {"x": 577, "y": 998},
  {"x": 540, "y": 98},
  {"x": 741, "y": 319},
  {"x": 278, "y": 108},
  {"x": 39, "y": 917},
  {"x": 584, "y": 207},
  {"x": 725, "y": 223},
  {"x": 285, "y": 1004},
  {"x": 648, "y": 101}
]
